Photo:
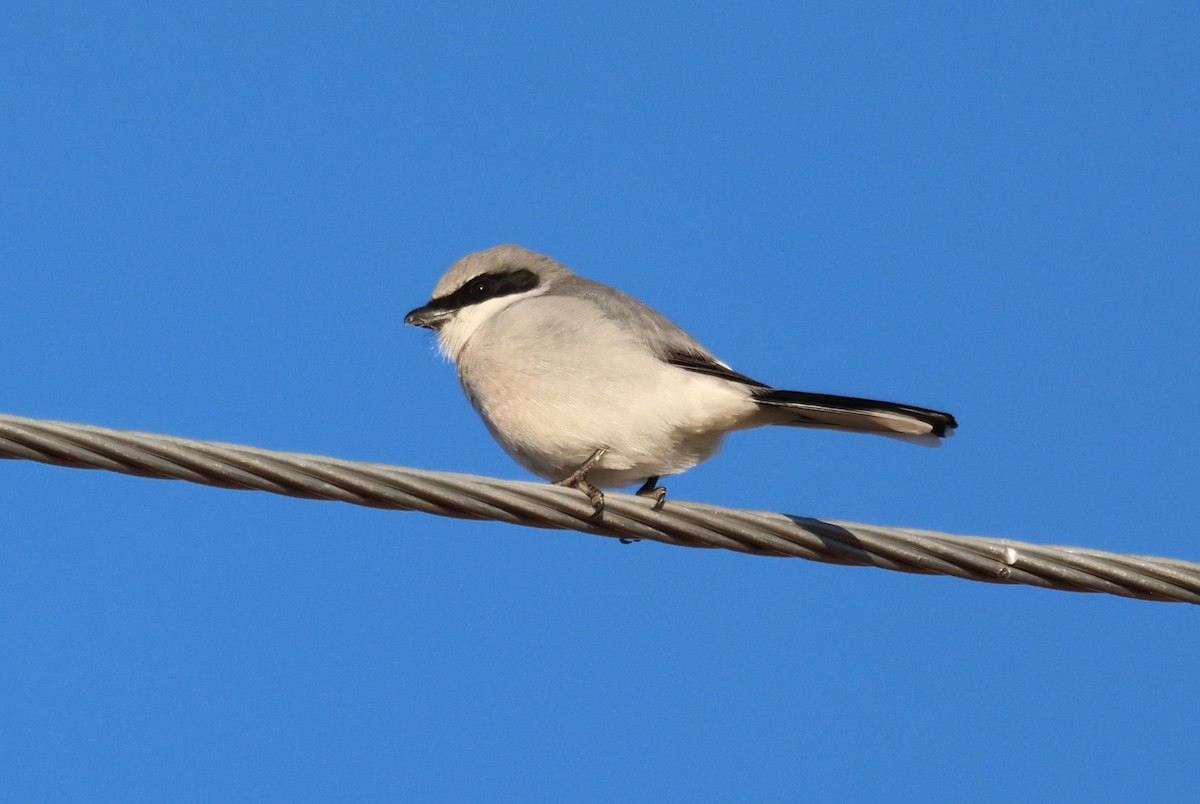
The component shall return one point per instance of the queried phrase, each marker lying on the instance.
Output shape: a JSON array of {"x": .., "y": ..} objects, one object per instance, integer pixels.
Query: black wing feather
[
  {"x": 940, "y": 424},
  {"x": 707, "y": 364},
  {"x": 817, "y": 410}
]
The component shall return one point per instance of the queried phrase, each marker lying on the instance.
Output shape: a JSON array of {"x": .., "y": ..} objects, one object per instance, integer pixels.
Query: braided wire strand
[{"x": 626, "y": 516}]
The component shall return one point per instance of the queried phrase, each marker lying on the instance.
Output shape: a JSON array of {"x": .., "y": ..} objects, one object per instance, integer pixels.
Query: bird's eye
[{"x": 481, "y": 287}]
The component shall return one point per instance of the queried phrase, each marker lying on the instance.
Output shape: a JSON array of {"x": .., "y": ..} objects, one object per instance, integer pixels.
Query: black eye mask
[{"x": 486, "y": 286}]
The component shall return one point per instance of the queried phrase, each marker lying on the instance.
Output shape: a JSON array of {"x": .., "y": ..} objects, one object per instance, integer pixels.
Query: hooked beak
[{"x": 428, "y": 316}]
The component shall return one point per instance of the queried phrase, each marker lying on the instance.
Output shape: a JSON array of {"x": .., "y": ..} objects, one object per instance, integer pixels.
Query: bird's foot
[
  {"x": 578, "y": 480},
  {"x": 650, "y": 489}
]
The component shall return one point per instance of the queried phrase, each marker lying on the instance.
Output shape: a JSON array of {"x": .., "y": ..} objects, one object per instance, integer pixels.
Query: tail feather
[{"x": 803, "y": 409}]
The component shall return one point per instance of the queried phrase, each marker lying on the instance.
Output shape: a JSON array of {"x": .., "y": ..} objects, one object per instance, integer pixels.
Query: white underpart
[
  {"x": 554, "y": 379},
  {"x": 454, "y": 335}
]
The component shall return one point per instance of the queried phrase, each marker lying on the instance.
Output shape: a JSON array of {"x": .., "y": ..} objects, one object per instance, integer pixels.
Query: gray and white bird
[{"x": 586, "y": 386}]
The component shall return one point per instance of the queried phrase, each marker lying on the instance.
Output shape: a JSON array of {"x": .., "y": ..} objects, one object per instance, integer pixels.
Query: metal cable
[{"x": 626, "y": 516}]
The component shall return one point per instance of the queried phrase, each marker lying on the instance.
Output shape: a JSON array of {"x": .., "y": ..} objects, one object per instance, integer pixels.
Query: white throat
[{"x": 454, "y": 335}]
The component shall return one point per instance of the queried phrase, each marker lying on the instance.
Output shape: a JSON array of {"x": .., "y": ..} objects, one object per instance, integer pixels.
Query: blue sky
[{"x": 212, "y": 220}]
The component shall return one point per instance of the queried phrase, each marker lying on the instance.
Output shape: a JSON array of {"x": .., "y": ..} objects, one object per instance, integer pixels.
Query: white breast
[{"x": 554, "y": 379}]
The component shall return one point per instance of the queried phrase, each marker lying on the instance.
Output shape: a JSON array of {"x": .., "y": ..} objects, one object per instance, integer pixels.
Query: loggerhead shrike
[{"x": 587, "y": 386}]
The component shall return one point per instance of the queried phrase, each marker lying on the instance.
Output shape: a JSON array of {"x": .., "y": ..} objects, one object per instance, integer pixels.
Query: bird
[{"x": 589, "y": 388}]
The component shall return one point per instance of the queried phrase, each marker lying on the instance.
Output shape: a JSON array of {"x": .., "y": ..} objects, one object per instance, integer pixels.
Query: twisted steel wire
[{"x": 626, "y": 516}]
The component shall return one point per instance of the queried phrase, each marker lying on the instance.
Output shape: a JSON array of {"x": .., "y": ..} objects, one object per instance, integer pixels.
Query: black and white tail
[{"x": 803, "y": 409}]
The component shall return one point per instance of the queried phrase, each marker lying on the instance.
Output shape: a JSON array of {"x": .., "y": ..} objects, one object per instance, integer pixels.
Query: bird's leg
[
  {"x": 650, "y": 489},
  {"x": 578, "y": 480}
]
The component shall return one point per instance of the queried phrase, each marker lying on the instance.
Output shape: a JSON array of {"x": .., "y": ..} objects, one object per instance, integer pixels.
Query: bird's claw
[
  {"x": 578, "y": 480},
  {"x": 649, "y": 489}
]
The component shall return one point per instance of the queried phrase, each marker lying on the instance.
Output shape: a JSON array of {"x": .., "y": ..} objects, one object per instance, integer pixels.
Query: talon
[
  {"x": 659, "y": 493},
  {"x": 595, "y": 495},
  {"x": 578, "y": 480}
]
